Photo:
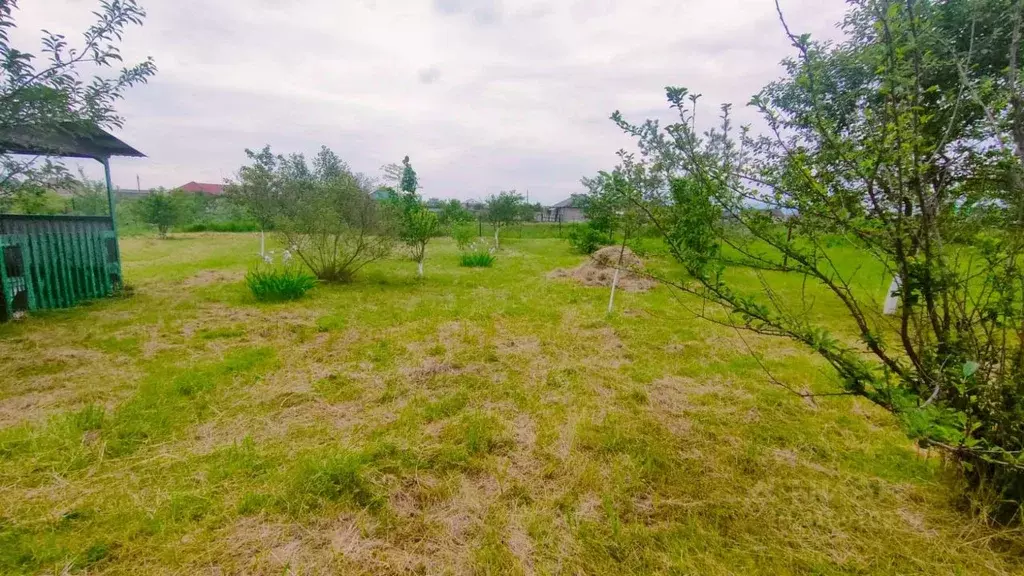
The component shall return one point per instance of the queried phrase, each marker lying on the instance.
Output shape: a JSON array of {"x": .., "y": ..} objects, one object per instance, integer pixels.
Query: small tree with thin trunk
[
  {"x": 612, "y": 199},
  {"x": 504, "y": 209},
  {"x": 160, "y": 209},
  {"x": 416, "y": 224},
  {"x": 257, "y": 191},
  {"x": 419, "y": 225}
]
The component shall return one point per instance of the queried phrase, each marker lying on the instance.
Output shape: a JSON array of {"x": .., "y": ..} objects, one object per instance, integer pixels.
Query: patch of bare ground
[
  {"x": 279, "y": 416},
  {"x": 521, "y": 545},
  {"x": 519, "y": 345},
  {"x": 428, "y": 368},
  {"x": 458, "y": 332},
  {"x": 54, "y": 379},
  {"x": 208, "y": 277},
  {"x": 675, "y": 398},
  {"x": 589, "y": 507},
  {"x": 566, "y": 441},
  {"x": 256, "y": 545},
  {"x": 349, "y": 543}
]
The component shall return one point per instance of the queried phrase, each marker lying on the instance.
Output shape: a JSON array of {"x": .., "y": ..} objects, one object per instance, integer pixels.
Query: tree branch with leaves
[{"x": 899, "y": 144}]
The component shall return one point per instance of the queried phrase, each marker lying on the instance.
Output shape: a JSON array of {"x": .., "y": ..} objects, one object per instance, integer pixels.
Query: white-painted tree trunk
[
  {"x": 496, "y": 229},
  {"x": 615, "y": 282},
  {"x": 892, "y": 299},
  {"x": 263, "y": 243},
  {"x": 420, "y": 269},
  {"x": 615, "y": 279}
]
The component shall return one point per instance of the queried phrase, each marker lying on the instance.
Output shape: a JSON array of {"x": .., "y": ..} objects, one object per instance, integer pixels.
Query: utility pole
[{"x": 138, "y": 185}]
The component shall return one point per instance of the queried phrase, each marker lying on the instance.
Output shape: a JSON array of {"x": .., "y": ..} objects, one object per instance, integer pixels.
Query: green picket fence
[{"x": 56, "y": 262}]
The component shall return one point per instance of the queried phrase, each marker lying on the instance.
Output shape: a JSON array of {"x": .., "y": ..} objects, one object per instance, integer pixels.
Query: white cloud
[{"x": 483, "y": 95}]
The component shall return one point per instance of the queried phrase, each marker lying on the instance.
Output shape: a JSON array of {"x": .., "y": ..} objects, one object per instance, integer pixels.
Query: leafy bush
[
  {"x": 476, "y": 260},
  {"x": 325, "y": 212},
  {"x": 477, "y": 256},
  {"x": 463, "y": 235},
  {"x": 586, "y": 239},
  {"x": 159, "y": 209},
  {"x": 452, "y": 213},
  {"x": 269, "y": 283}
]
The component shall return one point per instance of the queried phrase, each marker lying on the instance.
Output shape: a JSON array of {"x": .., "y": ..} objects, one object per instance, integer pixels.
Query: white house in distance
[{"x": 567, "y": 210}]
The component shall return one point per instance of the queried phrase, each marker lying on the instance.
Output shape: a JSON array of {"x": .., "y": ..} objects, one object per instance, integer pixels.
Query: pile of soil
[{"x": 600, "y": 271}]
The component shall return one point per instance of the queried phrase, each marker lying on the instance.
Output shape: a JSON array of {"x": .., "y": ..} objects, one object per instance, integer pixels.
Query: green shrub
[
  {"x": 476, "y": 259},
  {"x": 587, "y": 240},
  {"x": 276, "y": 284},
  {"x": 477, "y": 256},
  {"x": 463, "y": 234}
]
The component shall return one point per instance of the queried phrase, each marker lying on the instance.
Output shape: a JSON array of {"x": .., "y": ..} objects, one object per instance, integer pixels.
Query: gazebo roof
[{"x": 71, "y": 140}]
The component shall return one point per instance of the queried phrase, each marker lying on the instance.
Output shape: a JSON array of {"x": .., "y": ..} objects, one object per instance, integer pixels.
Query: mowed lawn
[{"x": 481, "y": 421}]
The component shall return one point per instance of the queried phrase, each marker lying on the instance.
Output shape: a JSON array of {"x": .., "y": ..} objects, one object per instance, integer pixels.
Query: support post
[{"x": 110, "y": 204}]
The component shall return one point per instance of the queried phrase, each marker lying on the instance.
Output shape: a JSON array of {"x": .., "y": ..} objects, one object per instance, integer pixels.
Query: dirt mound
[{"x": 600, "y": 271}]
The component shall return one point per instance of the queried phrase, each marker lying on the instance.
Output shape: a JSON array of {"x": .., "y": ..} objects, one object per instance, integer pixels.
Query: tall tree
[
  {"x": 409, "y": 182},
  {"x": 52, "y": 95}
]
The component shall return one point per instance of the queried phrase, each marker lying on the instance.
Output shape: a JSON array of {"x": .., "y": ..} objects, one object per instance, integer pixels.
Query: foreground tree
[
  {"x": 905, "y": 142},
  {"x": 49, "y": 95}
]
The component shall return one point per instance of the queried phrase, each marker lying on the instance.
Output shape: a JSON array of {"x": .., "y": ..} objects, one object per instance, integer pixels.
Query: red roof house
[{"x": 202, "y": 188}]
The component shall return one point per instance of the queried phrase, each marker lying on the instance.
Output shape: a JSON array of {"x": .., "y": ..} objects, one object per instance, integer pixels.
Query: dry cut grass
[{"x": 482, "y": 421}]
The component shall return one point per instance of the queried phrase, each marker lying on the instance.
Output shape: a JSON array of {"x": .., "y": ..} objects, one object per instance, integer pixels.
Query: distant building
[
  {"x": 568, "y": 210},
  {"x": 475, "y": 206},
  {"x": 202, "y": 188},
  {"x": 383, "y": 194},
  {"x": 129, "y": 193}
]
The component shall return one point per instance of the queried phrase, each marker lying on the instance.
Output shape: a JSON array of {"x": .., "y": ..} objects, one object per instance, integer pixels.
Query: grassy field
[{"x": 485, "y": 421}]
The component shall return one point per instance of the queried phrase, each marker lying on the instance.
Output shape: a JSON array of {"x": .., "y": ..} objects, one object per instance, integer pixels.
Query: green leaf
[{"x": 970, "y": 367}]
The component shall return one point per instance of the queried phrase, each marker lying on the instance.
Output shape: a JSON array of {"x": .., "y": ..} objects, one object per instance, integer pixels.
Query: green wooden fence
[{"x": 56, "y": 262}]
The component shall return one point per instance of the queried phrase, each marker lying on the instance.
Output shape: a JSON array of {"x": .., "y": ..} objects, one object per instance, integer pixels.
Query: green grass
[
  {"x": 480, "y": 421},
  {"x": 476, "y": 259},
  {"x": 278, "y": 284}
]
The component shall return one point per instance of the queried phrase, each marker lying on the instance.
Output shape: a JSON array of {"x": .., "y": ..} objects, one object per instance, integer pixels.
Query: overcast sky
[{"x": 483, "y": 95}]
